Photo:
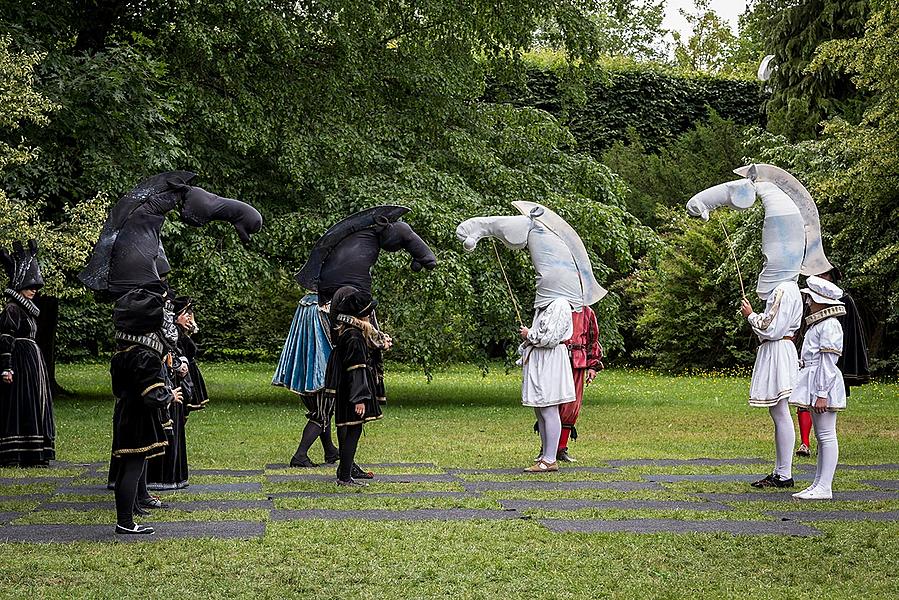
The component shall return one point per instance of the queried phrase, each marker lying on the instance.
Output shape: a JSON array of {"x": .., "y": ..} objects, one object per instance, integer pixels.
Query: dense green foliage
[
  {"x": 309, "y": 116},
  {"x": 611, "y": 101}
]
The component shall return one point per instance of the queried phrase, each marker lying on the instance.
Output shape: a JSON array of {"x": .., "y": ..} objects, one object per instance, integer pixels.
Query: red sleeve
[{"x": 594, "y": 349}]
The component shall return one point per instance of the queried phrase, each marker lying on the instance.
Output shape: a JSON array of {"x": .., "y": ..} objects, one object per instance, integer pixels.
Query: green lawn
[{"x": 462, "y": 419}]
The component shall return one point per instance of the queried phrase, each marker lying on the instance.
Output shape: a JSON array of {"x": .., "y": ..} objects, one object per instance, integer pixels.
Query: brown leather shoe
[{"x": 542, "y": 467}]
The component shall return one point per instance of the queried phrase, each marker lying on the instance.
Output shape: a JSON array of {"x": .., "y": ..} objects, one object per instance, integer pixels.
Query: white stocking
[
  {"x": 541, "y": 429},
  {"x": 784, "y": 438},
  {"x": 828, "y": 449},
  {"x": 550, "y": 431}
]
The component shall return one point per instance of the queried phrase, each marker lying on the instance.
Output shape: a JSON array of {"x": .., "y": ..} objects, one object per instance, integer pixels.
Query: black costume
[
  {"x": 344, "y": 256},
  {"x": 350, "y": 376},
  {"x": 142, "y": 398},
  {"x": 27, "y": 428}
]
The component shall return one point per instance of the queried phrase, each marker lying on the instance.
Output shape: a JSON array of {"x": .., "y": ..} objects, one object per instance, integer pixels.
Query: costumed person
[
  {"x": 27, "y": 428},
  {"x": 170, "y": 471},
  {"x": 791, "y": 244},
  {"x": 142, "y": 395},
  {"x": 585, "y": 353},
  {"x": 819, "y": 386},
  {"x": 350, "y": 378},
  {"x": 853, "y": 362},
  {"x": 189, "y": 370},
  {"x": 565, "y": 285},
  {"x": 129, "y": 254},
  {"x": 343, "y": 256},
  {"x": 301, "y": 369}
]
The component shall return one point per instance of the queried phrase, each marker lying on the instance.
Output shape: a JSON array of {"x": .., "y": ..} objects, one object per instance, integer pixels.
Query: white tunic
[
  {"x": 776, "y": 363},
  {"x": 819, "y": 376},
  {"x": 546, "y": 371}
]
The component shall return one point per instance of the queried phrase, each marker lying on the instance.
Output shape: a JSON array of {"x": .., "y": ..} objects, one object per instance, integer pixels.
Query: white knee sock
[
  {"x": 784, "y": 438},
  {"x": 541, "y": 429},
  {"x": 551, "y": 424},
  {"x": 828, "y": 448}
]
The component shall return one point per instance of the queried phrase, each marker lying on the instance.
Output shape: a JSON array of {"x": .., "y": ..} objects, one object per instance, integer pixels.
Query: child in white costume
[
  {"x": 775, "y": 369},
  {"x": 819, "y": 385},
  {"x": 547, "y": 379}
]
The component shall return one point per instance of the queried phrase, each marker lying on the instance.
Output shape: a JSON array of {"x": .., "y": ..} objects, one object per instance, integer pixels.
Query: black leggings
[
  {"x": 126, "y": 484},
  {"x": 348, "y": 438}
]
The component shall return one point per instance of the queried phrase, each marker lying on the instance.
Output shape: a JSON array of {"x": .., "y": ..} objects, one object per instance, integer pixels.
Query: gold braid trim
[
  {"x": 825, "y": 313},
  {"x": 354, "y": 367},
  {"x": 832, "y": 351},
  {"x": 150, "y": 388},
  {"x": 139, "y": 450}
]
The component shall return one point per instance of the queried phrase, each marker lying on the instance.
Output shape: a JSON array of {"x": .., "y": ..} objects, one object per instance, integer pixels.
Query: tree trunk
[{"x": 46, "y": 336}]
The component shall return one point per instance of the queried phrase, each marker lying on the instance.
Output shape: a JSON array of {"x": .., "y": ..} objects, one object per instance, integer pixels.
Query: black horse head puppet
[
  {"x": 346, "y": 252},
  {"x": 129, "y": 253}
]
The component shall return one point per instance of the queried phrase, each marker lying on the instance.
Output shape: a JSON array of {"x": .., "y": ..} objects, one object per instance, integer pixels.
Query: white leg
[
  {"x": 552, "y": 423},
  {"x": 784, "y": 438},
  {"x": 828, "y": 449}
]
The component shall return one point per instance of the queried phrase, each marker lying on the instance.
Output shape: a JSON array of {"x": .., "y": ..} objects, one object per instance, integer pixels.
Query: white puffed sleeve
[
  {"x": 783, "y": 313},
  {"x": 552, "y": 325},
  {"x": 829, "y": 350}
]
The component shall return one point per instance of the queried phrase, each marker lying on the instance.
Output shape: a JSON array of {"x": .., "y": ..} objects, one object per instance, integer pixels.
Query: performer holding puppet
[
  {"x": 565, "y": 283},
  {"x": 791, "y": 243}
]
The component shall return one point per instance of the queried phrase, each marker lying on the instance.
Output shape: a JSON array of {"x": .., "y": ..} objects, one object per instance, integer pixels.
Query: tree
[{"x": 711, "y": 44}]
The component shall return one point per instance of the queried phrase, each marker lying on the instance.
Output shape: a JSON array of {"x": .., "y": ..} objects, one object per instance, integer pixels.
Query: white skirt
[
  {"x": 775, "y": 370},
  {"x": 546, "y": 376}
]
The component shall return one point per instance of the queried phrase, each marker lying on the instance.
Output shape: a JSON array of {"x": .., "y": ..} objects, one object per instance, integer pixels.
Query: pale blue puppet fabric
[{"x": 306, "y": 350}]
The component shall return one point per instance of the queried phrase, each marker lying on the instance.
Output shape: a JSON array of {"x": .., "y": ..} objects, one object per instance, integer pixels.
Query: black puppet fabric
[
  {"x": 350, "y": 378},
  {"x": 27, "y": 427}
]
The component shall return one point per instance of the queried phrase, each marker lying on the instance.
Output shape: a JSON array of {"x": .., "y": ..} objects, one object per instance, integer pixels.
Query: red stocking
[{"x": 805, "y": 425}]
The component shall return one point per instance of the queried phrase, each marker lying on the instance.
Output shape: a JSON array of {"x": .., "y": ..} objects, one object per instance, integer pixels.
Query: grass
[{"x": 462, "y": 419}]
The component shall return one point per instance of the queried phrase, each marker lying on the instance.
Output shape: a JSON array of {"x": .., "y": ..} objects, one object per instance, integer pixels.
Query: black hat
[
  {"x": 352, "y": 301},
  {"x": 182, "y": 303},
  {"x": 21, "y": 267},
  {"x": 138, "y": 312}
]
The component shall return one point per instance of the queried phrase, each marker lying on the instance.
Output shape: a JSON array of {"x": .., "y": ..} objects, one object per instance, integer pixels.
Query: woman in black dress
[
  {"x": 351, "y": 377},
  {"x": 27, "y": 429}
]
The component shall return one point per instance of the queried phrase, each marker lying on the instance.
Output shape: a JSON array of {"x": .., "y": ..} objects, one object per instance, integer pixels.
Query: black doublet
[
  {"x": 139, "y": 385},
  {"x": 351, "y": 378}
]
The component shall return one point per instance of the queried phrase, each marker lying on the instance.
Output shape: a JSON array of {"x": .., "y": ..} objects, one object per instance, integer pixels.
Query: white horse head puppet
[
  {"x": 559, "y": 256},
  {"x": 791, "y": 235}
]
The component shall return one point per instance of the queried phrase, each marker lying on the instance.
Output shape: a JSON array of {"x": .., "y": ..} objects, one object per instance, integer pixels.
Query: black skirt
[{"x": 27, "y": 427}]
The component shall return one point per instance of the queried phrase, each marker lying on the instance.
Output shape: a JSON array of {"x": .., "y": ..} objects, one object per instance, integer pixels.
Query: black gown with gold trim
[{"x": 27, "y": 428}]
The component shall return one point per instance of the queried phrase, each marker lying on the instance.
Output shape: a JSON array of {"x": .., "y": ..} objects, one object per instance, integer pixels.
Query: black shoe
[
  {"x": 563, "y": 456},
  {"x": 152, "y": 502},
  {"x": 358, "y": 473},
  {"x": 351, "y": 483},
  {"x": 332, "y": 460},
  {"x": 140, "y": 512},
  {"x": 136, "y": 529},
  {"x": 775, "y": 481},
  {"x": 303, "y": 462}
]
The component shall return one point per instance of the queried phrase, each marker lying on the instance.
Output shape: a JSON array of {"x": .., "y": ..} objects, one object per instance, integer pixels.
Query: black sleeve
[
  {"x": 356, "y": 367},
  {"x": 150, "y": 381},
  {"x": 9, "y": 324}
]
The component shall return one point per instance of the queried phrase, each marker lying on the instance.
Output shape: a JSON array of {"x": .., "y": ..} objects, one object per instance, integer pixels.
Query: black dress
[
  {"x": 139, "y": 385},
  {"x": 351, "y": 379},
  {"x": 27, "y": 428}
]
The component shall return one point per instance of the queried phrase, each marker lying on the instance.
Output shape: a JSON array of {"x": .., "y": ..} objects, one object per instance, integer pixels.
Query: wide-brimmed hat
[
  {"x": 352, "y": 301},
  {"x": 822, "y": 291},
  {"x": 182, "y": 304}
]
